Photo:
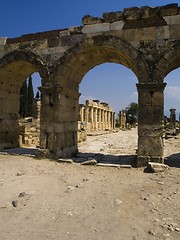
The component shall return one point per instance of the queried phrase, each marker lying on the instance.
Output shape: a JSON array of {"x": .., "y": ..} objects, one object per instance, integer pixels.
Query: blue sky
[{"x": 111, "y": 83}]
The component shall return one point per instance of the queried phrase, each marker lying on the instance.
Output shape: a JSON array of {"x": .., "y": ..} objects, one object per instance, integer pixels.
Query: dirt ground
[{"x": 44, "y": 199}]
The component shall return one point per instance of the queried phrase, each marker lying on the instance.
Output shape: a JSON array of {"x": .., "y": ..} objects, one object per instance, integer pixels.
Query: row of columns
[{"x": 97, "y": 116}]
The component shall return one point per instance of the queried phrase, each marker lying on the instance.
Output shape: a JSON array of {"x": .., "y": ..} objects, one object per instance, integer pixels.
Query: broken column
[{"x": 172, "y": 118}]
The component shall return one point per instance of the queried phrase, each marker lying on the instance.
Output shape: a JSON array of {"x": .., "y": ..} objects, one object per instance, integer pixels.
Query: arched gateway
[{"x": 146, "y": 40}]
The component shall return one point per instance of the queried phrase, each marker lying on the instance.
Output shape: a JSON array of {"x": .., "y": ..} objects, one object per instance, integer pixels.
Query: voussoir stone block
[
  {"x": 116, "y": 25},
  {"x": 172, "y": 20},
  {"x": 96, "y": 28}
]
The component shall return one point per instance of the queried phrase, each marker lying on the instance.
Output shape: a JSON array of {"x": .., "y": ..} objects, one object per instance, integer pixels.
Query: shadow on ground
[
  {"x": 81, "y": 157},
  {"x": 21, "y": 151},
  {"x": 173, "y": 160},
  {"x": 106, "y": 158}
]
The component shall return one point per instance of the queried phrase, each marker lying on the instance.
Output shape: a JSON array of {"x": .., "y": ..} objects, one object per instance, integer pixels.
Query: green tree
[
  {"x": 23, "y": 100},
  {"x": 37, "y": 95},
  {"x": 30, "y": 96},
  {"x": 132, "y": 113}
]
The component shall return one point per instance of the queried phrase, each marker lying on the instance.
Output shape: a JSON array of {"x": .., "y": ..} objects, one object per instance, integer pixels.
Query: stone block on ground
[
  {"x": 65, "y": 161},
  {"x": 89, "y": 162},
  {"x": 156, "y": 167}
]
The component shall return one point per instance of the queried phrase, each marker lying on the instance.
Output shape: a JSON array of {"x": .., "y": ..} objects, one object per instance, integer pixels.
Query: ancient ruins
[
  {"x": 146, "y": 40},
  {"x": 29, "y": 128},
  {"x": 96, "y": 116}
]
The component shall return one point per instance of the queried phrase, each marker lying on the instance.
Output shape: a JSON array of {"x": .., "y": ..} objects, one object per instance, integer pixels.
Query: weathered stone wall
[{"x": 146, "y": 40}]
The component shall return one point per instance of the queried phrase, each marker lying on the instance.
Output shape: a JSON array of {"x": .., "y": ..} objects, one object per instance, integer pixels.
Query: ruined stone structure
[
  {"x": 29, "y": 132},
  {"x": 96, "y": 116},
  {"x": 171, "y": 125},
  {"x": 146, "y": 40},
  {"x": 122, "y": 120},
  {"x": 173, "y": 117},
  {"x": 29, "y": 128}
]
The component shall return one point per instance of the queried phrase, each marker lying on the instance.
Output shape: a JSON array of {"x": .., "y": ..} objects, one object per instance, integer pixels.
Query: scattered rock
[
  {"x": 152, "y": 232},
  {"x": 156, "y": 167},
  {"x": 15, "y": 203},
  {"x": 65, "y": 161},
  {"x": 90, "y": 162},
  {"x": 20, "y": 174},
  {"x": 177, "y": 229},
  {"x": 161, "y": 183},
  {"x": 22, "y": 194},
  {"x": 69, "y": 189},
  {"x": 1, "y": 183},
  {"x": 86, "y": 179},
  {"x": 125, "y": 166},
  {"x": 118, "y": 201},
  {"x": 78, "y": 185}
]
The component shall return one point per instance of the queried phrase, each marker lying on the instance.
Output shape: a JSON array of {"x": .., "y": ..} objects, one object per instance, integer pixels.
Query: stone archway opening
[
  {"x": 15, "y": 69},
  {"x": 104, "y": 131},
  {"x": 69, "y": 73},
  {"x": 172, "y": 118},
  {"x": 29, "y": 112}
]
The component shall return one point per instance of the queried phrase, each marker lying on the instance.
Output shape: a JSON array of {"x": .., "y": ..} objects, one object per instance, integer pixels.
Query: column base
[
  {"x": 142, "y": 161},
  {"x": 65, "y": 153}
]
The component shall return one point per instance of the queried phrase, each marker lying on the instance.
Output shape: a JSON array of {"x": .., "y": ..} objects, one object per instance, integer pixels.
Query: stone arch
[
  {"x": 67, "y": 74},
  {"x": 169, "y": 61},
  {"x": 31, "y": 61},
  {"x": 15, "y": 67},
  {"x": 78, "y": 60}
]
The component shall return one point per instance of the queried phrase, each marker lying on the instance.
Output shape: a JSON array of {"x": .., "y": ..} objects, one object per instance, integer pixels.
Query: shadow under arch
[{"x": 87, "y": 54}]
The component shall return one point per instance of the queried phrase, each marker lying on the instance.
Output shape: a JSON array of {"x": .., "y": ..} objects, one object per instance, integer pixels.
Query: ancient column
[
  {"x": 114, "y": 120},
  {"x": 86, "y": 116},
  {"x": 109, "y": 120},
  {"x": 172, "y": 118},
  {"x": 100, "y": 119},
  {"x": 150, "y": 123},
  {"x": 59, "y": 118},
  {"x": 122, "y": 119},
  {"x": 82, "y": 113},
  {"x": 95, "y": 118},
  {"x": 103, "y": 119},
  {"x": 92, "y": 117}
]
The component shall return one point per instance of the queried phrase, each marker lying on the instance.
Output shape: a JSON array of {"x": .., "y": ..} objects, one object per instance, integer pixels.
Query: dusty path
[
  {"x": 121, "y": 147},
  {"x": 74, "y": 202}
]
